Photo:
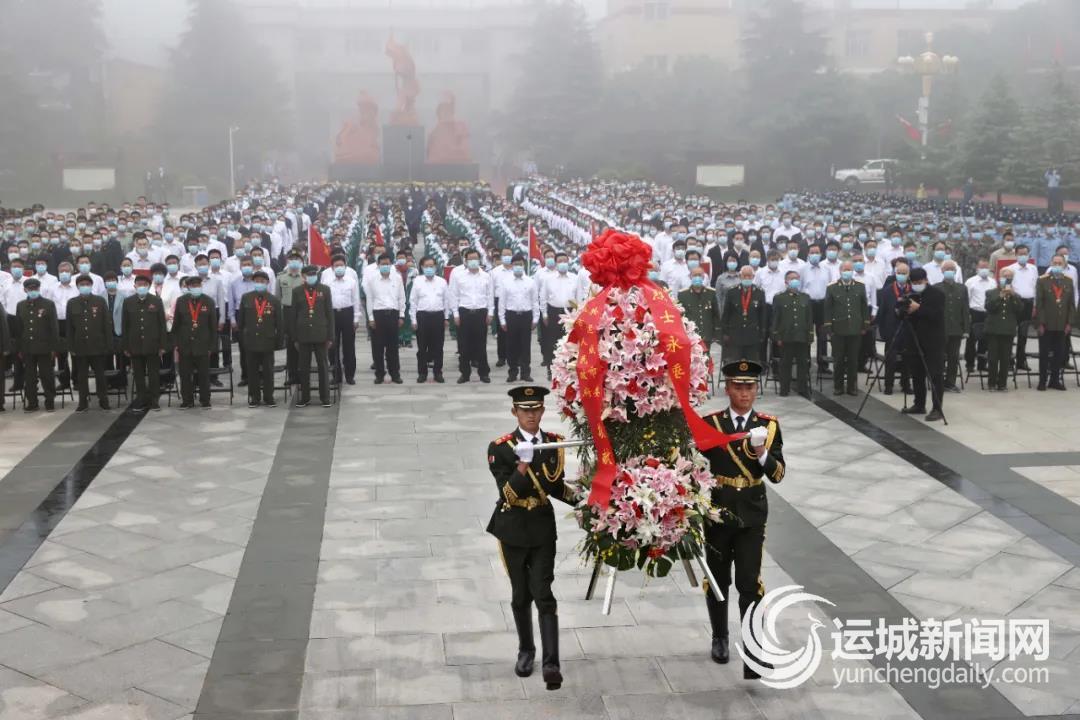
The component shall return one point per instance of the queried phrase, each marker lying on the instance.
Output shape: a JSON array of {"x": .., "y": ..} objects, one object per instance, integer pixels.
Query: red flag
[
  {"x": 378, "y": 236},
  {"x": 318, "y": 250},
  {"x": 913, "y": 133},
  {"x": 534, "y": 246}
]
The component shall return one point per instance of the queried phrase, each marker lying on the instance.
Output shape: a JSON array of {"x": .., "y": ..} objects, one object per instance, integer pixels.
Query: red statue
[
  {"x": 358, "y": 140},
  {"x": 405, "y": 82},
  {"x": 448, "y": 143}
]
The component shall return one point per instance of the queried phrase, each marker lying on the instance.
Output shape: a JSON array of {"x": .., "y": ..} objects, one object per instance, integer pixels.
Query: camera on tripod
[{"x": 903, "y": 304}]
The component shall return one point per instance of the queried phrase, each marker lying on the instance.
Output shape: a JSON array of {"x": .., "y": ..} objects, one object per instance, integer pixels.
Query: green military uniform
[
  {"x": 793, "y": 329},
  {"x": 311, "y": 329},
  {"x": 262, "y": 331},
  {"x": 7, "y": 346},
  {"x": 524, "y": 524},
  {"x": 847, "y": 317},
  {"x": 90, "y": 340},
  {"x": 39, "y": 339},
  {"x": 287, "y": 283},
  {"x": 1055, "y": 313},
  {"x": 740, "y": 490},
  {"x": 742, "y": 323},
  {"x": 957, "y": 325},
  {"x": 194, "y": 335},
  {"x": 702, "y": 308},
  {"x": 144, "y": 338},
  {"x": 1003, "y": 317}
]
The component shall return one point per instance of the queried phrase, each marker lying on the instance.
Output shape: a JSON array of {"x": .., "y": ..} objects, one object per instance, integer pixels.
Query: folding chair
[
  {"x": 1073, "y": 332},
  {"x": 167, "y": 384},
  {"x": 219, "y": 373},
  {"x": 1032, "y": 334}
]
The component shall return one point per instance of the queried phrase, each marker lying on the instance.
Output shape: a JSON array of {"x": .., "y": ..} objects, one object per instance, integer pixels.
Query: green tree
[
  {"x": 216, "y": 83},
  {"x": 556, "y": 95},
  {"x": 1049, "y": 136},
  {"x": 780, "y": 54},
  {"x": 985, "y": 139}
]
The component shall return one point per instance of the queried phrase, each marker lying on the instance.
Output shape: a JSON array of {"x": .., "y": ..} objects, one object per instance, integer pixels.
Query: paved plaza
[{"x": 326, "y": 564}]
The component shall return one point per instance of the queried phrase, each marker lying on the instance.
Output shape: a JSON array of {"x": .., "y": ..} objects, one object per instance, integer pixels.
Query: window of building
[
  {"x": 656, "y": 9},
  {"x": 857, "y": 43}
]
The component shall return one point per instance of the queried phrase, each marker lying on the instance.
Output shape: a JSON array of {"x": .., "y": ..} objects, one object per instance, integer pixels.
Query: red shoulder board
[
  {"x": 504, "y": 438},
  {"x": 763, "y": 416},
  {"x": 554, "y": 436}
]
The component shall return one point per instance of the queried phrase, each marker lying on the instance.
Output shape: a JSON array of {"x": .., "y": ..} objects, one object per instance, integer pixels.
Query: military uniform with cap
[
  {"x": 39, "y": 338},
  {"x": 740, "y": 491},
  {"x": 311, "y": 327},
  {"x": 89, "y": 339},
  {"x": 524, "y": 524},
  {"x": 195, "y": 336},
  {"x": 144, "y": 338},
  {"x": 847, "y": 317},
  {"x": 262, "y": 331}
]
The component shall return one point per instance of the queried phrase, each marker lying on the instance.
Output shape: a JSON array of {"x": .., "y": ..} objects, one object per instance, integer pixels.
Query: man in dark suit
[
  {"x": 740, "y": 470},
  {"x": 195, "y": 337},
  {"x": 144, "y": 339},
  {"x": 524, "y": 523},
  {"x": 39, "y": 341},
  {"x": 89, "y": 339},
  {"x": 926, "y": 314},
  {"x": 311, "y": 328},
  {"x": 890, "y": 329},
  {"x": 262, "y": 329}
]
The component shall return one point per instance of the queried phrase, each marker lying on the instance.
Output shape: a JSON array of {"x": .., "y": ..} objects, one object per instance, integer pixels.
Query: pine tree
[
  {"x": 1049, "y": 136},
  {"x": 985, "y": 139}
]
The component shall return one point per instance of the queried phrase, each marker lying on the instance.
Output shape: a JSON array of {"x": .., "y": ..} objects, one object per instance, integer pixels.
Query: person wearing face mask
[
  {"x": 791, "y": 260},
  {"x": 1004, "y": 255},
  {"x": 345, "y": 293},
  {"x": 287, "y": 282},
  {"x": 700, "y": 306},
  {"x": 792, "y": 329},
  {"x": 978, "y": 285},
  {"x": 39, "y": 340},
  {"x": 64, "y": 290},
  {"x": 726, "y": 280},
  {"x": 1055, "y": 313},
  {"x": 385, "y": 314},
  {"x": 89, "y": 338},
  {"x": 144, "y": 340},
  {"x": 1069, "y": 272},
  {"x": 1025, "y": 276},
  {"x": 262, "y": 329},
  {"x": 557, "y": 294},
  {"x": 743, "y": 319},
  {"x": 311, "y": 329},
  {"x": 847, "y": 318},
  {"x": 894, "y": 333},
  {"x": 926, "y": 315},
  {"x": 429, "y": 310},
  {"x": 500, "y": 273},
  {"x": 472, "y": 302},
  {"x": 675, "y": 272},
  {"x": 957, "y": 321},
  {"x": 519, "y": 313},
  {"x": 1004, "y": 312},
  {"x": 194, "y": 336}
]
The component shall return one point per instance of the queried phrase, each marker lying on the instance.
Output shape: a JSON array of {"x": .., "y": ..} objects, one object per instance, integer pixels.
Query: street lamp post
[
  {"x": 232, "y": 163},
  {"x": 928, "y": 65}
]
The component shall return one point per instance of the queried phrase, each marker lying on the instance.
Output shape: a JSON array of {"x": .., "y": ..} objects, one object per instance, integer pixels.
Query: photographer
[{"x": 925, "y": 313}]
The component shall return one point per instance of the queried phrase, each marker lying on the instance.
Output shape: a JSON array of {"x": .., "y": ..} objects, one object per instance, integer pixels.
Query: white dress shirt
[
  {"x": 471, "y": 289},
  {"x": 328, "y": 276},
  {"x": 1024, "y": 278},
  {"x": 429, "y": 294},
  {"x": 676, "y": 273},
  {"x": 977, "y": 288},
  {"x": 345, "y": 293},
  {"x": 518, "y": 295},
  {"x": 934, "y": 273},
  {"x": 870, "y": 282},
  {"x": 60, "y": 294},
  {"x": 815, "y": 280},
  {"x": 559, "y": 291},
  {"x": 771, "y": 281},
  {"x": 385, "y": 292}
]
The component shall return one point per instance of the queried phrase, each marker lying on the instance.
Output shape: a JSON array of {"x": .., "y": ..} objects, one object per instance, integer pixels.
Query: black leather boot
[
  {"x": 526, "y": 646},
  {"x": 549, "y": 641},
  {"x": 718, "y": 620}
]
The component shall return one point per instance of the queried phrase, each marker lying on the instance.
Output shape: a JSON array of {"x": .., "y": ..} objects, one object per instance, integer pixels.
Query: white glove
[
  {"x": 524, "y": 451},
  {"x": 758, "y": 435}
]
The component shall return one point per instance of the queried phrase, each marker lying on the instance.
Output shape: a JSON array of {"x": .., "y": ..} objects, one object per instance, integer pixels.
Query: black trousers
[
  {"x": 384, "y": 344},
  {"x": 63, "y": 366},
  {"x": 304, "y": 354},
  {"x": 518, "y": 336},
  {"x": 531, "y": 571},
  {"x": 952, "y": 359},
  {"x": 1022, "y": 331},
  {"x": 194, "y": 368},
  {"x": 918, "y": 372},
  {"x": 147, "y": 372},
  {"x": 3, "y": 380},
  {"x": 553, "y": 332},
  {"x": 734, "y": 351},
  {"x": 473, "y": 336},
  {"x": 817, "y": 314},
  {"x": 846, "y": 362},
  {"x": 1052, "y": 347},
  {"x": 83, "y": 364},
  {"x": 500, "y": 336},
  {"x": 430, "y": 335},
  {"x": 974, "y": 345},
  {"x": 345, "y": 344},
  {"x": 998, "y": 350},
  {"x": 242, "y": 351},
  {"x": 35, "y": 366},
  {"x": 795, "y": 354},
  {"x": 726, "y": 544},
  {"x": 261, "y": 376}
]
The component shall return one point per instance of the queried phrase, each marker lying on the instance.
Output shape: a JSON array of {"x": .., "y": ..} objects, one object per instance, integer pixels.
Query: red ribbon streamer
[{"x": 592, "y": 369}]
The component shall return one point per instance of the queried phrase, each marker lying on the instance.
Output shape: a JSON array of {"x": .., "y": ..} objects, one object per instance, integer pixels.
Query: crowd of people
[{"x": 928, "y": 291}]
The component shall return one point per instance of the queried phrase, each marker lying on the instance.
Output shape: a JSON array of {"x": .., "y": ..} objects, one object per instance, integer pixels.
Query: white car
[{"x": 872, "y": 172}]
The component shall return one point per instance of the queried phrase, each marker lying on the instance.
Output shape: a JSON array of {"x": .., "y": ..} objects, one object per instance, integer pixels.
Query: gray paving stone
[
  {"x": 349, "y": 595},
  {"x": 732, "y": 703},
  {"x": 143, "y": 624},
  {"x": 130, "y": 704},
  {"x": 181, "y": 687},
  {"x": 338, "y": 691},
  {"x": 579, "y": 708},
  {"x": 432, "y": 568},
  {"x": 410, "y": 685},
  {"x": 101, "y": 677},
  {"x": 644, "y": 641},
  {"x": 36, "y": 648},
  {"x": 184, "y": 581},
  {"x": 363, "y": 653},
  {"x": 353, "y": 548},
  {"x": 616, "y": 676},
  {"x": 87, "y": 571},
  {"x": 10, "y": 621},
  {"x": 342, "y": 623},
  {"x": 199, "y": 639},
  {"x": 65, "y": 607},
  {"x": 442, "y": 617},
  {"x": 689, "y": 674},
  {"x": 475, "y": 648},
  {"x": 108, "y": 542},
  {"x": 25, "y": 698}
]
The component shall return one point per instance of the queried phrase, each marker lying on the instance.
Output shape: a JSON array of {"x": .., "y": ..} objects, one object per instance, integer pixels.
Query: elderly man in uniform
[
  {"x": 524, "y": 524},
  {"x": 847, "y": 317},
  {"x": 262, "y": 328},
  {"x": 195, "y": 336},
  {"x": 143, "y": 338},
  {"x": 89, "y": 339},
  {"x": 39, "y": 340},
  {"x": 312, "y": 329},
  {"x": 740, "y": 469},
  {"x": 1055, "y": 311},
  {"x": 742, "y": 321},
  {"x": 792, "y": 330}
]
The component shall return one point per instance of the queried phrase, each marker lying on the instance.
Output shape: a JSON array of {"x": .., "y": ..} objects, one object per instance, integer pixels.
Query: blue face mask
[
  {"x": 429, "y": 271},
  {"x": 16, "y": 272},
  {"x": 110, "y": 284},
  {"x": 732, "y": 266},
  {"x": 563, "y": 267},
  {"x": 158, "y": 279},
  {"x": 746, "y": 282},
  {"x": 506, "y": 259},
  {"x": 246, "y": 270},
  {"x": 1056, "y": 269},
  {"x": 33, "y": 294},
  {"x": 830, "y": 254},
  {"x": 755, "y": 261},
  {"x": 846, "y": 247},
  {"x": 901, "y": 278},
  {"x": 939, "y": 255},
  {"x": 312, "y": 279},
  {"x": 260, "y": 287},
  {"x": 142, "y": 291},
  {"x": 814, "y": 258},
  {"x": 215, "y": 263},
  {"x": 910, "y": 254},
  {"x": 654, "y": 275},
  {"x": 846, "y": 275},
  {"x": 339, "y": 271},
  {"x": 473, "y": 264},
  {"x": 1004, "y": 281},
  {"x": 859, "y": 266},
  {"x": 383, "y": 269},
  {"x": 126, "y": 270},
  {"x": 794, "y": 284},
  {"x": 294, "y": 264},
  {"x": 65, "y": 277},
  {"x": 693, "y": 264},
  {"x": 697, "y": 281},
  {"x": 84, "y": 268},
  {"x": 549, "y": 262},
  {"x": 195, "y": 291},
  {"x": 85, "y": 289},
  {"x": 949, "y": 274},
  {"x": 519, "y": 270}
]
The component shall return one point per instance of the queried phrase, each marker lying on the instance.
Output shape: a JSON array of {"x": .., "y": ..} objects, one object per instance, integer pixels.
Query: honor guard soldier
[
  {"x": 38, "y": 342},
  {"x": 740, "y": 470},
  {"x": 263, "y": 332},
  {"x": 312, "y": 330},
  {"x": 195, "y": 337},
  {"x": 89, "y": 340},
  {"x": 524, "y": 523},
  {"x": 144, "y": 339},
  {"x": 847, "y": 317}
]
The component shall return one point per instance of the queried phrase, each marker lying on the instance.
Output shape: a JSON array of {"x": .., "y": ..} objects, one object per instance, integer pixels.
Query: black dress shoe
[
  {"x": 750, "y": 674},
  {"x": 379, "y": 381},
  {"x": 525, "y": 661},
  {"x": 720, "y": 650},
  {"x": 104, "y": 404},
  {"x": 934, "y": 415},
  {"x": 439, "y": 378},
  {"x": 853, "y": 393},
  {"x": 462, "y": 379},
  {"x": 914, "y": 410},
  {"x": 526, "y": 378},
  {"x": 350, "y": 381},
  {"x": 485, "y": 379},
  {"x": 420, "y": 379},
  {"x": 49, "y": 405},
  {"x": 512, "y": 377},
  {"x": 837, "y": 393},
  {"x": 1057, "y": 386},
  {"x": 82, "y": 407},
  {"x": 396, "y": 380},
  {"x": 1041, "y": 387}
]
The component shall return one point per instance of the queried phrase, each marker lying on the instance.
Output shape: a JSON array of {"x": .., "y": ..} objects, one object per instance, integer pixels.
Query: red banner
[{"x": 318, "y": 250}]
